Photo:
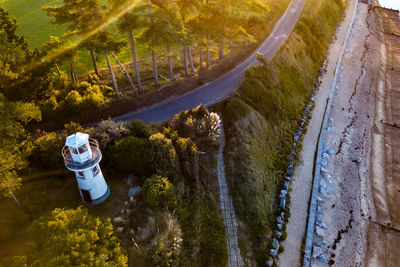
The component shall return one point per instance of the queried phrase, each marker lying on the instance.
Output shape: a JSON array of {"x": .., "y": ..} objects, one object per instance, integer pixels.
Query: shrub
[
  {"x": 109, "y": 131},
  {"x": 72, "y": 102},
  {"x": 158, "y": 192},
  {"x": 188, "y": 157},
  {"x": 47, "y": 151},
  {"x": 72, "y": 237},
  {"x": 138, "y": 129},
  {"x": 163, "y": 155},
  {"x": 199, "y": 124},
  {"x": 131, "y": 154}
]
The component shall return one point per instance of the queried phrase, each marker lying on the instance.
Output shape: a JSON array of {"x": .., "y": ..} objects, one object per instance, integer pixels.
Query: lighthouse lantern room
[{"x": 82, "y": 155}]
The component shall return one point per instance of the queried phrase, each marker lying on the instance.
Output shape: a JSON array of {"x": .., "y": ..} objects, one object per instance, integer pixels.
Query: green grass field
[{"x": 37, "y": 27}]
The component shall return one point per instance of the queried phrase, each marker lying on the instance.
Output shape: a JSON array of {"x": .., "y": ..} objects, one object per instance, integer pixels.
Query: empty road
[{"x": 221, "y": 88}]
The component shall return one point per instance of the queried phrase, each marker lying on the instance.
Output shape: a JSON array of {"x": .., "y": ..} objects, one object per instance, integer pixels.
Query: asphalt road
[{"x": 215, "y": 91}]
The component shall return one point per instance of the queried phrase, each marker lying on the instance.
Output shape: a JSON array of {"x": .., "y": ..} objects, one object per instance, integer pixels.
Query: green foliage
[
  {"x": 188, "y": 157},
  {"x": 167, "y": 245},
  {"x": 47, "y": 151},
  {"x": 14, "y": 145},
  {"x": 163, "y": 155},
  {"x": 201, "y": 125},
  {"x": 108, "y": 131},
  {"x": 138, "y": 128},
  {"x": 158, "y": 192},
  {"x": 264, "y": 113},
  {"x": 131, "y": 155},
  {"x": 72, "y": 237}
]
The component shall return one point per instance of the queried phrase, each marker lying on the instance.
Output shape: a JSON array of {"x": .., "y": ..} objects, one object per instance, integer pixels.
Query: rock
[
  {"x": 275, "y": 244},
  {"x": 286, "y": 186},
  {"x": 134, "y": 190},
  {"x": 279, "y": 219},
  {"x": 282, "y": 204},
  {"x": 278, "y": 234},
  {"x": 279, "y": 226},
  {"x": 320, "y": 231},
  {"x": 273, "y": 252},
  {"x": 317, "y": 251},
  {"x": 131, "y": 180},
  {"x": 287, "y": 178},
  {"x": 270, "y": 262}
]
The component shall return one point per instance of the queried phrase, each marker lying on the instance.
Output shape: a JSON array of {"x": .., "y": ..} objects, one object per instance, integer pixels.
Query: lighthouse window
[
  {"x": 95, "y": 170},
  {"x": 80, "y": 175},
  {"x": 82, "y": 149},
  {"x": 73, "y": 150}
]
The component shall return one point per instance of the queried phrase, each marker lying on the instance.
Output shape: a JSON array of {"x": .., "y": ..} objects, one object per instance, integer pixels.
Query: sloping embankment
[{"x": 260, "y": 122}]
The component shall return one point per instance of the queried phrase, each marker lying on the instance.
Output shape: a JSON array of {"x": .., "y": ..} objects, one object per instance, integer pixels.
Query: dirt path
[
  {"x": 303, "y": 175},
  {"x": 228, "y": 212}
]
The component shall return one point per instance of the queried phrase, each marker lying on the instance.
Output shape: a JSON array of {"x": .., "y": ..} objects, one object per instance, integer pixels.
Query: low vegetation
[
  {"x": 174, "y": 219},
  {"x": 262, "y": 116}
]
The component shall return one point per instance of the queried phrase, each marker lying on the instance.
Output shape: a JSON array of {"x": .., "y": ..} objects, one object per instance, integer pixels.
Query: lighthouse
[{"x": 82, "y": 155}]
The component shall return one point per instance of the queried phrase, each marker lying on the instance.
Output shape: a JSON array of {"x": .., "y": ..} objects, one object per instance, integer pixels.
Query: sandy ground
[{"x": 302, "y": 177}]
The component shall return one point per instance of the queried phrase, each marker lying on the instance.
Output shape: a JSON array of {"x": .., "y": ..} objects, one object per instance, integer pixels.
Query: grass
[{"x": 40, "y": 193}]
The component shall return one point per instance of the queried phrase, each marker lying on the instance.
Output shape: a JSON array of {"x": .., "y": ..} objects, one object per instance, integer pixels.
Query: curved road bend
[{"x": 221, "y": 88}]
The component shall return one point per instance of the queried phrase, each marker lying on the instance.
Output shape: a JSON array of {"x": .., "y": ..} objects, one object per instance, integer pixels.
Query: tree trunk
[
  {"x": 96, "y": 70},
  {"x": 14, "y": 197},
  {"x": 191, "y": 60},
  {"x": 153, "y": 53},
  {"x": 135, "y": 62},
  {"x": 126, "y": 73},
  {"x": 58, "y": 69},
  {"x": 208, "y": 57},
  {"x": 208, "y": 51},
  {"x": 171, "y": 71},
  {"x": 221, "y": 51},
  {"x": 112, "y": 74},
  {"x": 201, "y": 58},
  {"x": 73, "y": 73},
  {"x": 185, "y": 60}
]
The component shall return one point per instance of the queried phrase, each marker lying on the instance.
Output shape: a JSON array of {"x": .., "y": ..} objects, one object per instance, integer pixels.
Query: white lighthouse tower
[{"x": 82, "y": 156}]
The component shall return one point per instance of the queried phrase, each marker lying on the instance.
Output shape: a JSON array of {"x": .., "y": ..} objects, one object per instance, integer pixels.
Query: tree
[
  {"x": 163, "y": 155},
  {"x": 127, "y": 22},
  {"x": 73, "y": 237},
  {"x": 14, "y": 147},
  {"x": 132, "y": 154},
  {"x": 82, "y": 18},
  {"x": 158, "y": 192},
  {"x": 14, "y": 54}
]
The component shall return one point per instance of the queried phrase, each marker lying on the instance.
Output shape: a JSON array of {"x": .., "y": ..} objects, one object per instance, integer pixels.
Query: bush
[
  {"x": 199, "y": 124},
  {"x": 47, "y": 151},
  {"x": 163, "y": 155},
  {"x": 188, "y": 157},
  {"x": 131, "y": 155},
  {"x": 138, "y": 129},
  {"x": 72, "y": 237},
  {"x": 158, "y": 192},
  {"x": 109, "y": 131}
]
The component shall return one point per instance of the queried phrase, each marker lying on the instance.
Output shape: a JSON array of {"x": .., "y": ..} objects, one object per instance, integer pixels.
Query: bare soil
[{"x": 384, "y": 228}]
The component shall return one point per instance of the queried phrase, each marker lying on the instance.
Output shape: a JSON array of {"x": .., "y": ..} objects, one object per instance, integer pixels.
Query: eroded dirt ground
[
  {"x": 384, "y": 223},
  {"x": 360, "y": 201}
]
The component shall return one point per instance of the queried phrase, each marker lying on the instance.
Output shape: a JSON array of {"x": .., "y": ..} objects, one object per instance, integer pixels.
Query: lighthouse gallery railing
[{"x": 71, "y": 164}]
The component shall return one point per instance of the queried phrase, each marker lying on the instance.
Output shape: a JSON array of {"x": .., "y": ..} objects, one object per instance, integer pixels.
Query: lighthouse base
[{"x": 100, "y": 199}]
